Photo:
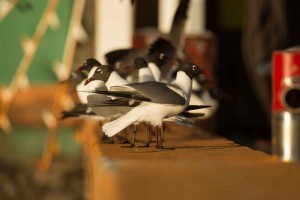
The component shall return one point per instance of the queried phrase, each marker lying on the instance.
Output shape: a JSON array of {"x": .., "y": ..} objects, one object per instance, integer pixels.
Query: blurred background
[{"x": 42, "y": 157}]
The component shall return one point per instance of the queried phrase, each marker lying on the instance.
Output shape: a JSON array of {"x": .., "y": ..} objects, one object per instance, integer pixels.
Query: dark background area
[{"x": 240, "y": 117}]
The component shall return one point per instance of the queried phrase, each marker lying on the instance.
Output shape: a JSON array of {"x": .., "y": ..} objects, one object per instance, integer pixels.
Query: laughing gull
[
  {"x": 160, "y": 54},
  {"x": 81, "y": 74},
  {"x": 112, "y": 78},
  {"x": 78, "y": 78},
  {"x": 108, "y": 75},
  {"x": 76, "y": 82},
  {"x": 152, "y": 102},
  {"x": 185, "y": 118}
]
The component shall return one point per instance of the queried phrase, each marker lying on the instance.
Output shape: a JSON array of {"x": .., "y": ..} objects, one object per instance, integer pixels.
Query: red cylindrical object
[
  {"x": 286, "y": 77},
  {"x": 286, "y": 105}
]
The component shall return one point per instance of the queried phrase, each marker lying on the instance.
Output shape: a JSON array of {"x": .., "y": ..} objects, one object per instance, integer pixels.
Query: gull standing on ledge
[{"x": 153, "y": 101}]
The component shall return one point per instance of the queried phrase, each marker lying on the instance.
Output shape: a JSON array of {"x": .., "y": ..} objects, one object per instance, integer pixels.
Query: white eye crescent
[
  {"x": 161, "y": 56},
  {"x": 194, "y": 67},
  {"x": 118, "y": 65},
  {"x": 99, "y": 71}
]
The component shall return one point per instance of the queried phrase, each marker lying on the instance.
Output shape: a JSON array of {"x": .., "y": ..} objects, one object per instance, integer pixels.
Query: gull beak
[
  {"x": 207, "y": 73},
  {"x": 89, "y": 80},
  {"x": 128, "y": 68},
  {"x": 64, "y": 81},
  {"x": 79, "y": 69},
  {"x": 172, "y": 61}
]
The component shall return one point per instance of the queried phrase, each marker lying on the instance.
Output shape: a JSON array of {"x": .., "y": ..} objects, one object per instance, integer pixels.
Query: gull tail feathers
[{"x": 114, "y": 127}]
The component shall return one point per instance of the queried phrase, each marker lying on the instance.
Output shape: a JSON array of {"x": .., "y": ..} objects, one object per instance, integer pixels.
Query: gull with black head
[{"x": 152, "y": 102}]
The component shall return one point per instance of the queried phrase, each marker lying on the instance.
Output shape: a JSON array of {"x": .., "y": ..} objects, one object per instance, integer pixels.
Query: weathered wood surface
[{"x": 203, "y": 168}]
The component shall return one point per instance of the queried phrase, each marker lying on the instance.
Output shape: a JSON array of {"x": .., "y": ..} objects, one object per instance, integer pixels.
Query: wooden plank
[{"x": 207, "y": 168}]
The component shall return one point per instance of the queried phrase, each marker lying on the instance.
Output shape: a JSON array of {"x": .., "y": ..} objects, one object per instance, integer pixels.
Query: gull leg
[
  {"x": 162, "y": 129},
  {"x": 158, "y": 138},
  {"x": 147, "y": 144},
  {"x": 133, "y": 137},
  {"x": 123, "y": 137},
  {"x": 107, "y": 140},
  {"x": 148, "y": 136},
  {"x": 157, "y": 130}
]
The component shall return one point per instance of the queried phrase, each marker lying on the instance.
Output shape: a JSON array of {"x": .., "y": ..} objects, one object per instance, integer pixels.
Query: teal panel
[
  {"x": 21, "y": 22},
  {"x": 25, "y": 143}
]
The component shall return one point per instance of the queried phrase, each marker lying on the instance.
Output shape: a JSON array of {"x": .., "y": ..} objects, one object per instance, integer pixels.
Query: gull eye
[
  {"x": 99, "y": 71},
  {"x": 85, "y": 63},
  {"x": 194, "y": 67}
]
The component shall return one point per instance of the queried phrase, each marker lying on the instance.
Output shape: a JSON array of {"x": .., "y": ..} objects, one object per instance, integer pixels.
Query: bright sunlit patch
[{"x": 286, "y": 136}]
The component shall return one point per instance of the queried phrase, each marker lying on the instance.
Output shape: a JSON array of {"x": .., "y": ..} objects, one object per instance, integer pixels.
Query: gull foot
[
  {"x": 145, "y": 145},
  {"x": 130, "y": 146},
  {"x": 126, "y": 141},
  {"x": 107, "y": 140}
]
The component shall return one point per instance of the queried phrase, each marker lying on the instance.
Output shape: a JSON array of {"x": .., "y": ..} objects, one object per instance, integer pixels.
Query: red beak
[
  {"x": 207, "y": 73},
  {"x": 89, "y": 80},
  {"x": 128, "y": 68},
  {"x": 172, "y": 61},
  {"x": 78, "y": 70}
]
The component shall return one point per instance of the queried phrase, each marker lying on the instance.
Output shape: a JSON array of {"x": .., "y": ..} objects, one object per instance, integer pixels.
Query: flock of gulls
[
  {"x": 142, "y": 86},
  {"x": 120, "y": 95}
]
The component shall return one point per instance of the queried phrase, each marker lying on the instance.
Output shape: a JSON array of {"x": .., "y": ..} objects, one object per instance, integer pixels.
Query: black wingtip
[
  {"x": 66, "y": 114},
  {"x": 181, "y": 12},
  {"x": 192, "y": 115},
  {"x": 196, "y": 107},
  {"x": 116, "y": 55}
]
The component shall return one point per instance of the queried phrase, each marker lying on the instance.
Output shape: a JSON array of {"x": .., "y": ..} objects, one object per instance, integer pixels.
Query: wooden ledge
[{"x": 211, "y": 168}]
